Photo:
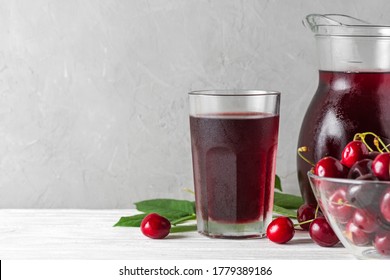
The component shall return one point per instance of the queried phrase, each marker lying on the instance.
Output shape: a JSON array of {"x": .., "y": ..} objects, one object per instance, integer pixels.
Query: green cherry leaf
[
  {"x": 288, "y": 201},
  {"x": 278, "y": 183},
  {"x": 285, "y": 212},
  {"x": 169, "y": 208},
  {"x": 130, "y": 221}
]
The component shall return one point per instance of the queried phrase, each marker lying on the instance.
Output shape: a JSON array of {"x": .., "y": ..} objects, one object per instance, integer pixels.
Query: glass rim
[
  {"x": 235, "y": 92},
  {"x": 345, "y": 180}
]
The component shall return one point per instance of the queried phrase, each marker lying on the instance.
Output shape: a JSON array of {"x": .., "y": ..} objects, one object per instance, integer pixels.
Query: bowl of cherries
[{"x": 353, "y": 192}]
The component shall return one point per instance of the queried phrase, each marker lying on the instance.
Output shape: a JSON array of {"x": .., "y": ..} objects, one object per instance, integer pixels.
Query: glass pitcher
[{"x": 353, "y": 93}]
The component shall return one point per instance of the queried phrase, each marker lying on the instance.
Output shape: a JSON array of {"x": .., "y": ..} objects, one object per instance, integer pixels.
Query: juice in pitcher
[{"x": 353, "y": 93}]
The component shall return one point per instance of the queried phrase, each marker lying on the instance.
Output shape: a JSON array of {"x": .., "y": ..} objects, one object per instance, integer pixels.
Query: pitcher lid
[{"x": 343, "y": 25}]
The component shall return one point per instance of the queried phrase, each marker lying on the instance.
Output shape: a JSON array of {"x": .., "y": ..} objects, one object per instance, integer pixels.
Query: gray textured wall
[{"x": 93, "y": 93}]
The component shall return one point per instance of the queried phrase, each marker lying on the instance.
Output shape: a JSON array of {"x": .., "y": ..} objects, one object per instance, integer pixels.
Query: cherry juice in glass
[{"x": 233, "y": 156}]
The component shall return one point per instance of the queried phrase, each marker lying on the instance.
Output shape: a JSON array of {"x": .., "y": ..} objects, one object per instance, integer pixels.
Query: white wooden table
[{"x": 89, "y": 234}]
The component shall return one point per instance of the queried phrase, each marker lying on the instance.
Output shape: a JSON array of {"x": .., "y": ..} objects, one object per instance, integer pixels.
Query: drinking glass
[{"x": 234, "y": 137}]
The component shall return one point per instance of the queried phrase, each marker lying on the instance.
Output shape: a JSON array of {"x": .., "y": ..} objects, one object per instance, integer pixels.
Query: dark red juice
[
  {"x": 234, "y": 163},
  {"x": 344, "y": 104}
]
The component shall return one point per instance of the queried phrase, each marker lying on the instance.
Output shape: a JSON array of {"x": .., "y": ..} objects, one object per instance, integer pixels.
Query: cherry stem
[
  {"x": 309, "y": 221},
  {"x": 376, "y": 143},
  {"x": 302, "y": 223},
  {"x": 303, "y": 150},
  {"x": 189, "y": 190},
  {"x": 341, "y": 203},
  {"x": 377, "y": 140},
  {"x": 316, "y": 212}
]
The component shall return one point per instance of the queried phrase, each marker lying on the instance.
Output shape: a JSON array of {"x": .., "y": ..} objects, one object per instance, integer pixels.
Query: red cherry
[
  {"x": 365, "y": 220},
  {"x": 338, "y": 206},
  {"x": 380, "y": 166},
  {"x": 330, "y": 167},
  {"x": 382, "y": 243},
  {"x": 306, "y": 212},
  {"x": 280, "y": 230},
  {"x": 322, "y": 234},
  {"x": 155, "y": 226},
  {"x": 360, "y": 168},
  {"x": 363, "y": 195},
  {"x": 356, "y": 235},
  {"x": 385, "y": 205},
  {"x": 353, "y": 152}
]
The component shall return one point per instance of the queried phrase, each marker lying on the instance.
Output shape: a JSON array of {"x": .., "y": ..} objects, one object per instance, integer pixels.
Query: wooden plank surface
[{"x": 89, "y": 234}]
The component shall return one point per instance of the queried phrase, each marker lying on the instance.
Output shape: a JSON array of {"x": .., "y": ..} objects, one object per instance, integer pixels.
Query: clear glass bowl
[{"x": 358, "y": 213}]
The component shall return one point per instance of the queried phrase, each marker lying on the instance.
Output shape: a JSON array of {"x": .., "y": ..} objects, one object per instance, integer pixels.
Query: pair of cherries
[{"x": 282, "y": 229}]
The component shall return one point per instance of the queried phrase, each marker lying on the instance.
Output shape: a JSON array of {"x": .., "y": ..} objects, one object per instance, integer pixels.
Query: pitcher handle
[{"x": 313, "y": 21}]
